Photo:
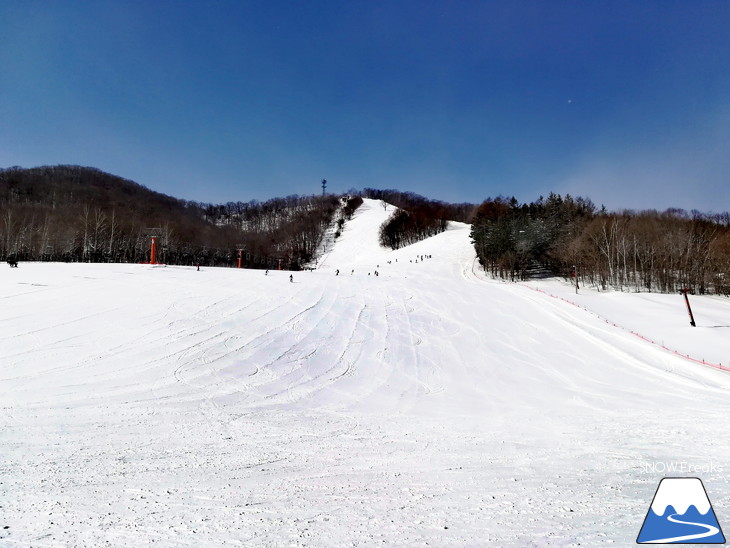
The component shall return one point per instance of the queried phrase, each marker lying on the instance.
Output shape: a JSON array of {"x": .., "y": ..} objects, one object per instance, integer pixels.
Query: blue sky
[{"x": 627, "y": 103}]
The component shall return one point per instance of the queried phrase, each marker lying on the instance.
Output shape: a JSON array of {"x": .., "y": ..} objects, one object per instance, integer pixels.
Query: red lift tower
[
  {"x": 153, "y": 250},
  {"x": 154, "y": 234}
]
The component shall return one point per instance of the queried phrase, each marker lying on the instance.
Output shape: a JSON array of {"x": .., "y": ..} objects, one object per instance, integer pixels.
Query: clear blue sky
[{"x": 627, "y": 103}]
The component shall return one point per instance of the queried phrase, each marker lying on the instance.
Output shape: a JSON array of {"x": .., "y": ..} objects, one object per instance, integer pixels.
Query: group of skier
[
  {"x": 291, "y": 276},
  {"x": 375, "y": 272}
]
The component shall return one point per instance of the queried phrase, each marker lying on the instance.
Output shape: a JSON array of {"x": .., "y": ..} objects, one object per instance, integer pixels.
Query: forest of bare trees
[
  {"x": 462, "y": 212},
  {"x": 407, "y": 227},
  {"x": 646, "y": 250},
  {"x": 416, "y": 218},
  {"x": 72, "y": 213}
]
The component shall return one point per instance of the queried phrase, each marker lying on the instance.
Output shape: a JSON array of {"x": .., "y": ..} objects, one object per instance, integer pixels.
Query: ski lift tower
[
  {"x": 155, "y": 235},
  {"x": 241, "y": 248}
]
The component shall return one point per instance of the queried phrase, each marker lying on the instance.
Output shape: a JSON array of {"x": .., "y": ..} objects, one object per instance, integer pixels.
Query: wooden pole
[{"x": 689, "y": 308}]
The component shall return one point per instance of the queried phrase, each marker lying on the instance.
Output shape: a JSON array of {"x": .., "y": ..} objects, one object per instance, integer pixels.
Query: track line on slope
[
  {"x": 627, "y": 330},
  {"x": 590, "y": 333}
]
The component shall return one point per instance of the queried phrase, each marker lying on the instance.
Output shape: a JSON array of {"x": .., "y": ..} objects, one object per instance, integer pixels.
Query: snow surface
[{"x": 428, "y": 405}]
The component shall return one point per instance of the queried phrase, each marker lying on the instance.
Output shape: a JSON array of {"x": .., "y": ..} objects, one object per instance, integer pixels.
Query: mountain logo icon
[{"x": 680, "y": 513}]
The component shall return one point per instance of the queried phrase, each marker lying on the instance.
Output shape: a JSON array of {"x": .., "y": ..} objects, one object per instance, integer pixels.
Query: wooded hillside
[
  {"x": 417, "y": 217},
  {"x": 646, "y": 250},
  {"x": 73, "y": 213}
]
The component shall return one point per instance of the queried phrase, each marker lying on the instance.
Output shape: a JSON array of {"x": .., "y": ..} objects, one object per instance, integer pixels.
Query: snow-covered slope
[{"x": 425, "y": 405}]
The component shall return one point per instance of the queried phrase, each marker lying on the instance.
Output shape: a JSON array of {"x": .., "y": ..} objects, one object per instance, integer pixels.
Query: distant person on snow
[
  {"x": 267, "y": 272},
  {"x": 291, "y": 278},
  {"x": 13, "y": 262},
  {"x": 338, "y": 272}
]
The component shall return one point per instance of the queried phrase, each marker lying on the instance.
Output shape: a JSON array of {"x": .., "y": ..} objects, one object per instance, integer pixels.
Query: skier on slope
[{"x": 291, "y": 278}]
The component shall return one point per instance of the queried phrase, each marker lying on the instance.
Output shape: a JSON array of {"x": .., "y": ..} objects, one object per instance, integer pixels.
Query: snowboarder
[
  {"x": 267, "y": 272},
  {"x": 291, "y": 278},
  {"x": 337, "y": 273}
]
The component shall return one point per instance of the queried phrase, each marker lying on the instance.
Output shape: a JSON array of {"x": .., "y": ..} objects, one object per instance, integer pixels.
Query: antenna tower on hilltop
[{"x": 324, "y": 186}]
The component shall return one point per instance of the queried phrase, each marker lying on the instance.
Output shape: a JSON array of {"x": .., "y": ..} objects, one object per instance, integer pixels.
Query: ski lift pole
[
  {"x": 240, "y": 248},
  {"x": 689, "y": 308},
  {"x": 154, "y": 234}
]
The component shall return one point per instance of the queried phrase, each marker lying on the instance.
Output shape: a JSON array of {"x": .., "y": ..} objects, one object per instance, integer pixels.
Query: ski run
[{"x": 426, "y": 405}]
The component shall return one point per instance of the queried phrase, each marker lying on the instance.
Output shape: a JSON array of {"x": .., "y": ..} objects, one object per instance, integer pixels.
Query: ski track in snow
[{"x": 426, "y": 406}]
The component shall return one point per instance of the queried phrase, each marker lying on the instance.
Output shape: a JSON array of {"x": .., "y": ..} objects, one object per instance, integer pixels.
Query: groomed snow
[{"x": 428, "y": 405}]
